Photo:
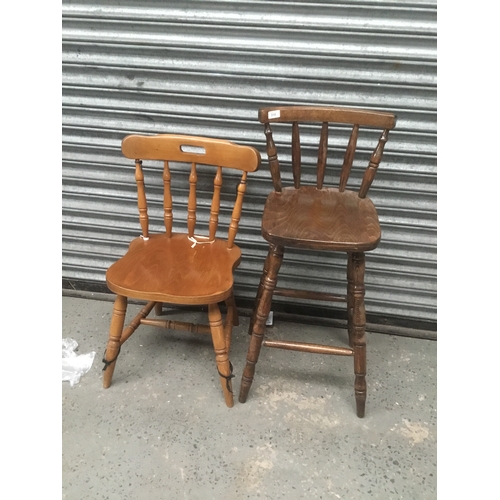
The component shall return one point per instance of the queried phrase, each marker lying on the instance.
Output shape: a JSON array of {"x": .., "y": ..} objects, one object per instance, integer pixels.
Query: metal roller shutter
[{"x": 205, "y": 67}]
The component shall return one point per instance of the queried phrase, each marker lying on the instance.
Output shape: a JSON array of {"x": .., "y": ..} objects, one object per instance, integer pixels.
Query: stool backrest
[{"x": 326, "y": 115}]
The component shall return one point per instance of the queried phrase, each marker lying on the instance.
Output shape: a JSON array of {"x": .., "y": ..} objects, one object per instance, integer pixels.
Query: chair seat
[
  {"x": 323, "y": 219},
  {"x": 172, "y": 270}
]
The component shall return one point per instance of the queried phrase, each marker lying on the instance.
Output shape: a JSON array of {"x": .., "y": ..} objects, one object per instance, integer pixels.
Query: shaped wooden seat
[
  {"x": 189, "y": 267},
  {"x": 317, "y": 218}
]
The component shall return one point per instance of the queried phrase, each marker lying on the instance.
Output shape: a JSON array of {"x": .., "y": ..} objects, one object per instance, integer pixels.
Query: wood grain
[
  {"x": 318, "y": 218},
  {"x": 321, "y": 219},
  {"x": 181, "y": 268}
]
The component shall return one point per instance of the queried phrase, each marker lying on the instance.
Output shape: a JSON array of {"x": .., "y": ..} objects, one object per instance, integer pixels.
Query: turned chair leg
[
  {"x": 358, "y": 335},
  {"x": 350, "y": 299},
  {"x": 158, "y": 309},
  {"x": 221, "y": 353},
  {"x": 268, "y": 282},
  {"x": 114, "y": 341},
  {"x": 259, "y": 293},
  {"x": 232, "y": 319}
]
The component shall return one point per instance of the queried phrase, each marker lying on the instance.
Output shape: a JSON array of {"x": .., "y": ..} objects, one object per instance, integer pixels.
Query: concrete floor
[{"x": 162, "y": 430}]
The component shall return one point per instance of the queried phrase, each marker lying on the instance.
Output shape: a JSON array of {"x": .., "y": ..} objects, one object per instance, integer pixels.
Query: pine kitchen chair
[{"x": 182, "y": 267}]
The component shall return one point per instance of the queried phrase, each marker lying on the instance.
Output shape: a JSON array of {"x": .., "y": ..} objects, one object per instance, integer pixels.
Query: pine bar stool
[
  {"x": 319, "y": 218},
  {"x": 181, "y": 267}
]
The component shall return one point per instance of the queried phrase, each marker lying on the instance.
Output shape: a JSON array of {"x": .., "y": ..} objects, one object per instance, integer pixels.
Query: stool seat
[{"x": 324, "y": 218}]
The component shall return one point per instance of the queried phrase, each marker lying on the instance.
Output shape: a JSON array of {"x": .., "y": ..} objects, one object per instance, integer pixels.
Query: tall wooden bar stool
[
  {"x": 183, "y": 267},
  {"x": 316, "y": 217}
]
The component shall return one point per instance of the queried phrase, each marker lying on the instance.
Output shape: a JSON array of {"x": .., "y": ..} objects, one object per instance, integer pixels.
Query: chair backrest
[
  {"x": 326, "y": 115},
  {"x": 195, "y": 151}
]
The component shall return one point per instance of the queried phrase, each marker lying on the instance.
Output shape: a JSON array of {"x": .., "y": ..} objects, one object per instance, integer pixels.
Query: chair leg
[
  {"x": 270, "y": 278},
  {"x": 232, "y": 319},
  {"x": 221, "y": 352},
  {"x": 158, "y": 309},
  {"x": 350, "y": 298},
  {"x": 358, "y": 331},
  {"x": 259, "y": 293},
  {"x": 231, "y": 304},
  {"x": 113, "y": 345}
]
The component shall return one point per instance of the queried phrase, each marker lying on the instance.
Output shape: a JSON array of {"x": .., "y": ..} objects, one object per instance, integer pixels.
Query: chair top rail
[
  {"x": 191, "y": 149},
  {"x": 367, "y": 118}
]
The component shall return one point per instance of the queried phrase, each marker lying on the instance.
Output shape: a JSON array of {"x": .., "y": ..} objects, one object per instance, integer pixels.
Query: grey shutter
[{"x": 205, "y": 68}]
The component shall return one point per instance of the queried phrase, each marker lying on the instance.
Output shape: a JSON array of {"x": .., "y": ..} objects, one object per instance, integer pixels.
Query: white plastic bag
[{"x": 74, "y": 365}]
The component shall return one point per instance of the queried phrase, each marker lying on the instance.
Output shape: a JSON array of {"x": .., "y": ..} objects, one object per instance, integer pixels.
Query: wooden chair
[
  {"x": 319, "y": 218},
  {"x": 182, "y": 267}
]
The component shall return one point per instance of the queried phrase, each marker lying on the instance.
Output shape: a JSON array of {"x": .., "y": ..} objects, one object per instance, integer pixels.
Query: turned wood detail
[
  {"x": 309, "y": 295},
  {"x": 373, "y": 165},
  {"x": 231, "y": 320},
  {"x": 348, "y": 158},
  {"x": 141, "y": 199},
  {"x": 221, "y": 353},
  {"x": 134, "y": 324},
  {"x": 319, "y": 218},
  {"x": 272, "y": 156},
  {"x": 268, "y": 283},
  {"x": 296, "y": 154},
  {"x": 214, "y": 209},
  {"x": 325, "y": 115},
  {"x": 176, "y": 325},
  {"x": 322, "y": 153},
  {"x": 182, "y": 267},
  {"x": 191, "y": 218},
  {"x": 192, "y": 203},
  {"x": 236, "y": 214},
  {"x": 167, "y": 199},
  {"x": 309, "y": 347},
  {"x": 258, "y": 296},
  {"x": 114, "y": 340},
  {"x": 358, "y": 324}
]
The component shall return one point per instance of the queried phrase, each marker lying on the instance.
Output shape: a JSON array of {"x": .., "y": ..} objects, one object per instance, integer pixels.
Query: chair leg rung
[
  {"x": 134, "y": 324},
  {"x": 309, "y": 294},
  {"x": 176, "y": 325},
  {"x": 308, "y": 347}
]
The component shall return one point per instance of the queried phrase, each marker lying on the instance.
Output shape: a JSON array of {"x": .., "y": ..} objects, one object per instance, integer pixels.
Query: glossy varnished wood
[
  {"x": 319, "y": 217},
  {"x": 191, "y": 149},
  {"x": 192, "y": 273},
  {"x": 181, "y": 267}
]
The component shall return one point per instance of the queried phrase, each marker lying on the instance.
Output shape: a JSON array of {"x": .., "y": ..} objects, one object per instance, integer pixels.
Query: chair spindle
[
  {"x": 296, "y": 160},
  {"x": 373, "y": 165},
  {"x": 193, "y": 178},
  {"x": 214, "y": 210},
  {"x": 322, "y": 153},
  {"x": 273, "y": 158},
  {"x": 141, "y": 199},
  {"x": 167, "y": 200},
  {"x": 235, "y": 217},
  {"x": 348, "y": 158}
]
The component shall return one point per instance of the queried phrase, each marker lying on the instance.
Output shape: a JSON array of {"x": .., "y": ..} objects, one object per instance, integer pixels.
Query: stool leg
[
  {"x": 259, "y": 293},
  {"x": 221, "y": 354},
  {"x": 115, "y": 334},
  {"x": 273, "y": 263},
  {"x": 350, "y": 298},
  {"x": 358, "y": 331}
]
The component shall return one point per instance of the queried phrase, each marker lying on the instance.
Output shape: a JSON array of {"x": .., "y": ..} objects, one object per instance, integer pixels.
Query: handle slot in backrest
[{"x": 187, "y": 148}]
